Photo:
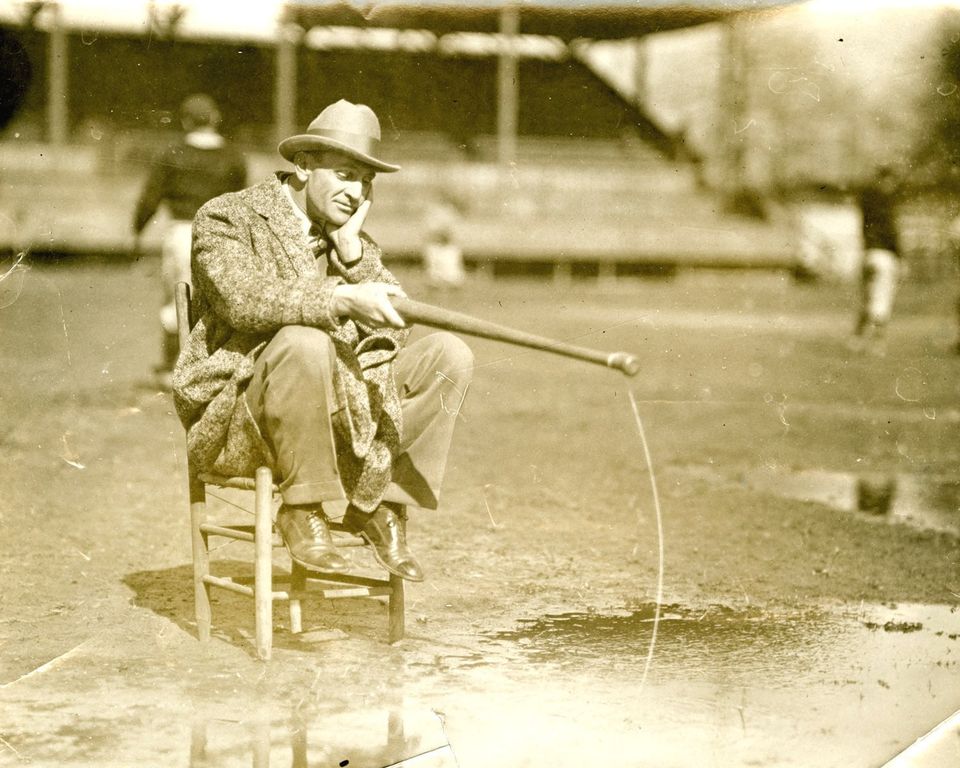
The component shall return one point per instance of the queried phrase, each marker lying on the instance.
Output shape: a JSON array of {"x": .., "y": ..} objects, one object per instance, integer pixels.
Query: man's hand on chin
[{"x": 345, "y": 239}]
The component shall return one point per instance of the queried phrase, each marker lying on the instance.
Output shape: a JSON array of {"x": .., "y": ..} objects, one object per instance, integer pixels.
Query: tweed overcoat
[{"x": 253, "y": 272}]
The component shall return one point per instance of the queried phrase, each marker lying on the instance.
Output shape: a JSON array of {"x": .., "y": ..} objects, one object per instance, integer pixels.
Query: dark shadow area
[
  {"x": 17, "y": 75},
  {"x": 523, "y": 269},
  {"x": 632, "y": 269},
  {"x": 593, "y": 270},
  {"x": 169, "y": 593}
]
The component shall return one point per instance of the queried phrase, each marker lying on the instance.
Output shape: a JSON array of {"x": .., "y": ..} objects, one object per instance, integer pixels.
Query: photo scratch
[
  {"x": 9, "y": 746},
  {"x": 11, "y": 281},
  {"x": 486, "y": 504},
  {"x": 458, "y": 410}
]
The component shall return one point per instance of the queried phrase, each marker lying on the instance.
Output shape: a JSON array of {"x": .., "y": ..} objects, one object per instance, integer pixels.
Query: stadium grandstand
[{"x": 557, "y": 169}]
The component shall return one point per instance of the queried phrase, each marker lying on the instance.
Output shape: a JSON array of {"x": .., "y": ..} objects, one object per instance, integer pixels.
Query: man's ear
[{"x": 301, "y": 162}]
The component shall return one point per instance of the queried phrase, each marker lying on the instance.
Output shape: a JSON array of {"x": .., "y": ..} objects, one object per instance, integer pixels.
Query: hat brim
[{"x": 306, "y": 142}]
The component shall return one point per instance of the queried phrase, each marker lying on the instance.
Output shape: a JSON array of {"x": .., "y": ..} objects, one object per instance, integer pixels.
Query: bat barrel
[
  {"x": 436, "y": 317},
  {"x": 624, "y": 361}
]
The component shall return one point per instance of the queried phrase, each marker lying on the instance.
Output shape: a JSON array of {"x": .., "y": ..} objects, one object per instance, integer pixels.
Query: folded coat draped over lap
[{"x": 253, "y": 273}]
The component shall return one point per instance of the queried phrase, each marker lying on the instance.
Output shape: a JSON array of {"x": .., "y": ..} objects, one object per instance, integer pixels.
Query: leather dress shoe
[
  {"x": 385, "y": 531},
  {"x": 307, "y": 538}
]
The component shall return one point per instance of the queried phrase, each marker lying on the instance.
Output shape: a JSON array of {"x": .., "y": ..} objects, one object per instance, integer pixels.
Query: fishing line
[{"x": 656, "y": 506}]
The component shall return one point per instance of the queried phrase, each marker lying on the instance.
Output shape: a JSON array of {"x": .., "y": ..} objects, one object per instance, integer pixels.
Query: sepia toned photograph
[{"x": 629, "y": 334}]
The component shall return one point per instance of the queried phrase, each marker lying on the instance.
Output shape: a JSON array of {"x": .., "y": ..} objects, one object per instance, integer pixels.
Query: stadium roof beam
[{"x": 566, "y": 19}]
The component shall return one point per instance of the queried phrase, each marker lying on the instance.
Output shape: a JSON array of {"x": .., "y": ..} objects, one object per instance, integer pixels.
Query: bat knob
[{"x": 624, "y": 361}]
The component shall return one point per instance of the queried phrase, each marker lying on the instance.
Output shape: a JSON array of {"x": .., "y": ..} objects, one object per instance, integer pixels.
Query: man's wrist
[
  {"x": 341, "y": 301},
  {"x": 352, "y": 254},
  {"x": 336, "y": 303}
]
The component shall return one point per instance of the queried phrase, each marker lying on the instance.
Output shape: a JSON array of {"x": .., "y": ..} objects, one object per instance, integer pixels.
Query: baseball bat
[{"x": 448, "y": 320}]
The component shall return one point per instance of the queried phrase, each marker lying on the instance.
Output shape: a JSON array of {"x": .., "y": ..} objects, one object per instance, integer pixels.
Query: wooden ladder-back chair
[{"x": 262, "y": 587}]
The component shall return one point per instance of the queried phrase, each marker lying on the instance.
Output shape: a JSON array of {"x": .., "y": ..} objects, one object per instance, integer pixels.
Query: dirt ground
[{"x": 548, "y": 511}]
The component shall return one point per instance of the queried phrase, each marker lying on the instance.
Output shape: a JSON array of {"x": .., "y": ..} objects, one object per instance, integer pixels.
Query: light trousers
[
  {"x": 878, "y": 289},
  {"x": 293, "y": 400},
  {"x": 881, "y": 284},
  {"x": 174, "y": 268}
]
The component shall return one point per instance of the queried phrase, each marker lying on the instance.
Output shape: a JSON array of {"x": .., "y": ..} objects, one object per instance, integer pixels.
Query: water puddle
[
  {"x": 929, "y": 503},
  {"x": 921, "y": 501},
  {"x": 735, "y": 645}
]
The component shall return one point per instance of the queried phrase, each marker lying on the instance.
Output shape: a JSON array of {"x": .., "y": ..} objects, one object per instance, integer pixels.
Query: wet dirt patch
[
  {"x": 713, "y": 639},
  {"x": 895, "y": 626}
]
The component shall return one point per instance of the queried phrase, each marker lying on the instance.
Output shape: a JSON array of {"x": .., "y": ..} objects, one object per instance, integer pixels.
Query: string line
[{"x": 660, "y": 558}]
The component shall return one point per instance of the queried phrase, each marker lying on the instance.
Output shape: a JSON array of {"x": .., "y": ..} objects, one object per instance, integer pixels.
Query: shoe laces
[{"x": 316, "y": 523}]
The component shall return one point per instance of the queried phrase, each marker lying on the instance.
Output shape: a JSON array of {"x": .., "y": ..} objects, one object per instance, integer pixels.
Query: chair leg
[
  {"x": 198, "y": 743},
  {"x": 261, "y": 744},
  {"x": 298, "y": 743},
  {"x": 201, "y": 556},
  {"x": 263, "y": 562},
  {"x": 396, "y": 609},
  {"x": 298, "y": 583},
  {"x": 396, "y": 738}
]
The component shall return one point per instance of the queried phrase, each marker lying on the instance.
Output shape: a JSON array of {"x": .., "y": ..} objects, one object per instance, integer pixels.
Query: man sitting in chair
[{"x": 299, "y": 361}]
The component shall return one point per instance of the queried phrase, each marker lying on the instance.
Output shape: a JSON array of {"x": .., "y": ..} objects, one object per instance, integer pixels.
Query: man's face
[{"x": 336, "y": 185}]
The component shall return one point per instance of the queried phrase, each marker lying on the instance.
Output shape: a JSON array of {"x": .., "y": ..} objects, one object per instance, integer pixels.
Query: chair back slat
[{"x": 184, "y": 319}]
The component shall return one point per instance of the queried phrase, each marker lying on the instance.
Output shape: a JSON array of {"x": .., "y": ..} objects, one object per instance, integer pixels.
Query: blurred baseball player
[{"x": 197, "y": 167}]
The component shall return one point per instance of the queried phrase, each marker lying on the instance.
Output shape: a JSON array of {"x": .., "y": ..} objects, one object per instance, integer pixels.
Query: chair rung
[
  {"x": 344, "y": 537},
  {"x": 245, "y": 533},
  {"x": 331, "y": 578},
  {"x": 347, "y": 578},
  {"x": 329, "y": 593},
  {"x": 228, "y": 584},
  {"x": 228, "y": 531},
  {"x": 240, "y": 483},
  {"x": 333, "y": 593}
]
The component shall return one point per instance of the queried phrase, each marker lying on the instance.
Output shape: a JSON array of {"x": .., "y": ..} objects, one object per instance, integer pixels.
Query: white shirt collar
[
  {"x": 297, "y": 210},
  {"x": 204, "y": 139}
]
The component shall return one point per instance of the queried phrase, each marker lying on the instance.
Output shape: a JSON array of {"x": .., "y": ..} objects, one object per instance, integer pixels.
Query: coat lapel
[{"x": 269, "y": 201}]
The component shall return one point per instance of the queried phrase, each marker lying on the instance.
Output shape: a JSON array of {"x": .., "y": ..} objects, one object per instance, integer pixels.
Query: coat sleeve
[{"x": 242, "y": 286}]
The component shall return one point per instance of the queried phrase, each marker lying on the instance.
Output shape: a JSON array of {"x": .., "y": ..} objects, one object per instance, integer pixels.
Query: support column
[
  {"x": 640, "y": 67},
  {"x": 733, "y": 110},
  {"x": 507, "y": 86},
  {"x": 285, "y": 81},
  {"x": 58, "y": 67}
]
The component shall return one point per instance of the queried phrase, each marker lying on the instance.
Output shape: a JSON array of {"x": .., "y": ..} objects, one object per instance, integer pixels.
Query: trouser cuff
[{"x": 303, "y": 494}]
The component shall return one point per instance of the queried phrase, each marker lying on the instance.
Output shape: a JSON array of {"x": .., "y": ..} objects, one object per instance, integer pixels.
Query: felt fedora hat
[{"x": 345, "y": 127}]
